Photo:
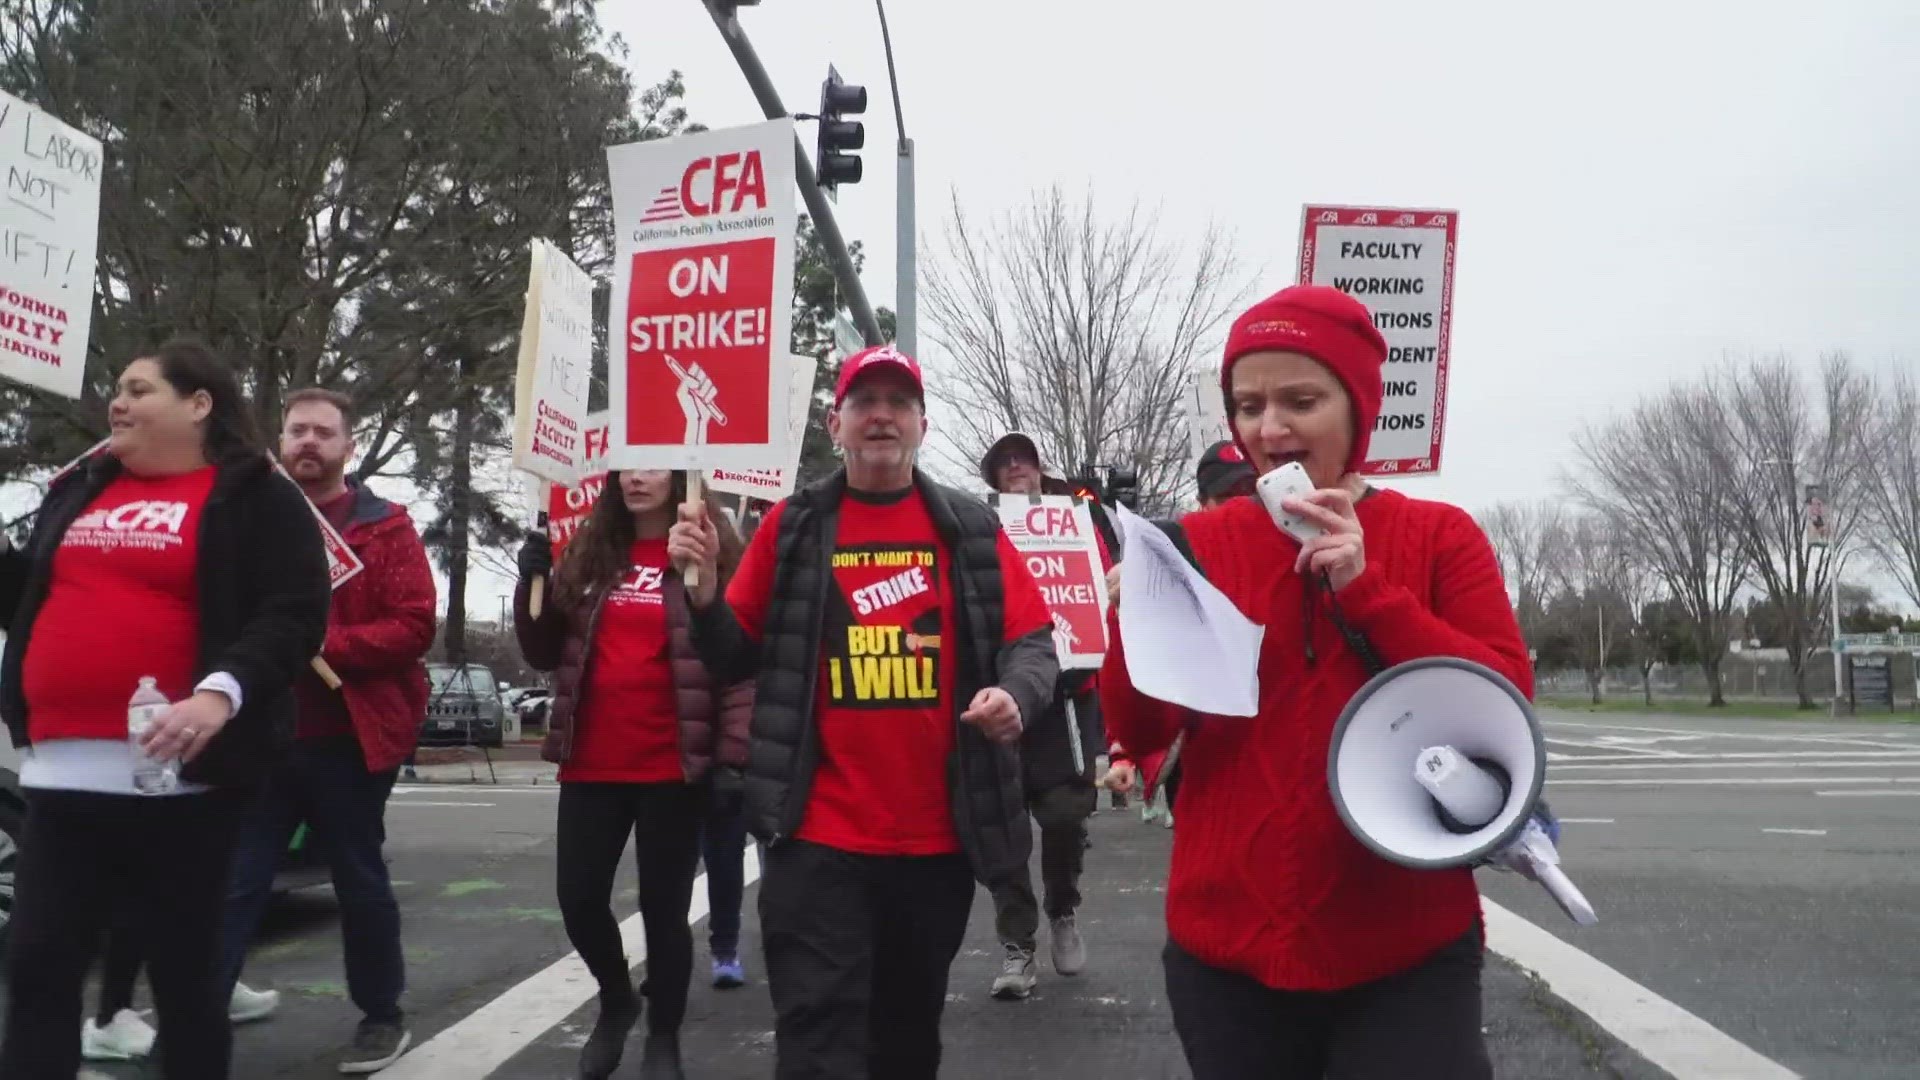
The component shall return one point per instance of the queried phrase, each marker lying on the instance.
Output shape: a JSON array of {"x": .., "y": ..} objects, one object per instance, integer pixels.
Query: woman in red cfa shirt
[
  {"x": 1293, "y": 950},
  {"x": 178, "y": 555},
  {"x": 635, "y": 725}
]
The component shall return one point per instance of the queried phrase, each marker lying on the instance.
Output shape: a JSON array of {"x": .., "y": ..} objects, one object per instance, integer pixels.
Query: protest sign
[
  {"x": 776, "y": 483},
  {"x": 568, "y": 505},
  {"x": 555, "y": 368},
  {"x": 1055, "y": 535},
  {"x": 1400, "y": 264},
  {"x": 49, "y": 230},
  {"x": 700, "y": 314},
  {"x": 342, "y": 563},
  {"x": 1206, "y": 412}
]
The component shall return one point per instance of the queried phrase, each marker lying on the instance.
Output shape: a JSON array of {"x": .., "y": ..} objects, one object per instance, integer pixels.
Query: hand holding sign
[
  {"x": 995, "y": 713},
  {"x": 694, "y": 546}
]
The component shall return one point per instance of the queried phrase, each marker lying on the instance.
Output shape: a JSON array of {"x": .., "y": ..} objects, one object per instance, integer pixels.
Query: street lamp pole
[{"x": 1839, "y": 561}]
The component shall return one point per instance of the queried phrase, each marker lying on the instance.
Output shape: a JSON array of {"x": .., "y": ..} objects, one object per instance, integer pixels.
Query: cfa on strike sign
[
  {"x": 1399, "y": 263},
  {"x": 701, "y": 310},
  {"x": 1055, "y": 537}
]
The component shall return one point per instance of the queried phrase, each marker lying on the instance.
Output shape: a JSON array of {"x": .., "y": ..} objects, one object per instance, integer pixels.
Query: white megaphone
[{"x": 1438, "y": 763}]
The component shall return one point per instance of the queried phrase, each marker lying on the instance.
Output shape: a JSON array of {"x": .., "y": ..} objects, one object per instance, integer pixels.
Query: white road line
[
  {"x": 1796, "y": 832},
  {"x": 1868, "y": 794},
  {"x": 1662, "y": 1032},
  {"x": 487, "y": 1038},
  {"x": 490, "y": 789},
  {"x": 1727, "y": 781},
  {"x": 1832, "y": 740},
  {"x": 416, "y": 802},
  {"x": 1629, "y": 766},
  {"x": 1749, "y": 755},
  {"x": 1586, "y": 821}
]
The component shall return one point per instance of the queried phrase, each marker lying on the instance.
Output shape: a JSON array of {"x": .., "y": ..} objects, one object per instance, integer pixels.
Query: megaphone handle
[{"x": 1565, "y": 893}]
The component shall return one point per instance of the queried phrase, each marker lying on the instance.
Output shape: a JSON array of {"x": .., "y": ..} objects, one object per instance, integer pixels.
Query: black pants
[
  {"x": 86, "y": 860},
  {"x": 723, "y": 850},
  {"x": 1061, "y": 812},
  {"x": 1423, "y": 1022},
  {"x": 664, "y": 821},
  {"x": 858, "y": 948},
  {"x": 125, "y": 951}
]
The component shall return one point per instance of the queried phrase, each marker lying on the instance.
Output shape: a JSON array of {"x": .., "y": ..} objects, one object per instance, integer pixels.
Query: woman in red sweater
[
  {"x": 635, "y": 726},
  {"x": 1293, "y": 950},
  {"x": 179, "y": 559}
]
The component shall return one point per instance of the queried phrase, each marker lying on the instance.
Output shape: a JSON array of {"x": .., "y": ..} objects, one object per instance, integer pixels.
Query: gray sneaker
[
  {"x": 1018, "y": 973},
  {"x": 376, "y": 1045},
  {"x": 1069, "y": 948}
]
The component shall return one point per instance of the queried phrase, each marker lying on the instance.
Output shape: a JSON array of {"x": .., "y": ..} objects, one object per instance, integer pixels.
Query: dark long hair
[
  {"x": 190, "y": 367},
  {"x": 602, "y": 550}
]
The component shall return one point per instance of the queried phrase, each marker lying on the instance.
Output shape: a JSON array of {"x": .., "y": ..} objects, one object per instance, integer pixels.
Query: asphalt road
[
  {"x": 1763, "y": 875},
  {"x": 475, "y": 868}
]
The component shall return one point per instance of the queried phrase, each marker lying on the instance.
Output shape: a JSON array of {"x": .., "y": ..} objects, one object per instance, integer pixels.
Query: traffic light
[
  {"x": 833, "y": 159},
  {"x": 1123, "y": 486}
]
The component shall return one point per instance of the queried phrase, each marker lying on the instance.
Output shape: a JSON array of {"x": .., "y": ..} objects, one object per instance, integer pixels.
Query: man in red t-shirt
[
  {"x": 900, "y": 644},
  {"x": 349, "y": 741}
]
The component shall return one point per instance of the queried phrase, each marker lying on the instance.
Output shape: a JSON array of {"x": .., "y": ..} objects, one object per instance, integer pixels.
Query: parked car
[{"x": 463, "y": 707}]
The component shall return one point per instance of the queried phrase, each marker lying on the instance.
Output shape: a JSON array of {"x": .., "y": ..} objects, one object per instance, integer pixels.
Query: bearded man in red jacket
[{"x": 350, "y": 741}]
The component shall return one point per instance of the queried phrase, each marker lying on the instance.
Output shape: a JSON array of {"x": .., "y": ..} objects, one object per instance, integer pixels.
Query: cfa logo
[
  {"x": 141, "y": 515},
  {"x": 722, "y": 184},
  {"x": 1051, "y": 521},
  {"x": 1367, "y": 219}
]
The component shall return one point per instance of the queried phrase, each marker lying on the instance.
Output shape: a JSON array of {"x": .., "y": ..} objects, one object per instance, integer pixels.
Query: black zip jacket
[
  {"x": 262, "y": 571},
  {"x": 983, "y": 777}
]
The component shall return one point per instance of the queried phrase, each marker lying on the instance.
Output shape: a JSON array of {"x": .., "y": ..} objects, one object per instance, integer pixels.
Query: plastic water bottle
[{"x": 151, "y": 776}]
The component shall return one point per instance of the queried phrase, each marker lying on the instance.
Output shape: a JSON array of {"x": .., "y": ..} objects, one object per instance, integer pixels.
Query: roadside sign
[{"x": 1400, "y": 264}]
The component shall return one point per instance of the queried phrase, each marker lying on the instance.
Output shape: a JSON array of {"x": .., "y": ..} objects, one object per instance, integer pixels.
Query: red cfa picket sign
[
  {"x": 702, "y": 299},
  {"x": 568, "y": 507},
  {"x": 1055, "y": 536},
  {"x": 1399, "y": 263}
]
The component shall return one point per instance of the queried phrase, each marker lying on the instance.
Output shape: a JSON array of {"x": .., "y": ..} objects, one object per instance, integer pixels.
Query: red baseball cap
[{"x": 866, "y": 359}]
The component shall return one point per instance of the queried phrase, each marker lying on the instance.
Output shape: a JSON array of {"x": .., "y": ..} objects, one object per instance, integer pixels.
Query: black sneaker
[
  {"x": 661, "y": 1059},
  {"x": 608, "y": 1043},
  {"x": 376, "y": 1045}
]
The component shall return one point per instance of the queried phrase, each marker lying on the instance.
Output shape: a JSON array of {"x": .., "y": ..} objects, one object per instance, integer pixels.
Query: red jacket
[
  {"x": 1266, "y": 880},
  {"x": 379, "y": 629}
]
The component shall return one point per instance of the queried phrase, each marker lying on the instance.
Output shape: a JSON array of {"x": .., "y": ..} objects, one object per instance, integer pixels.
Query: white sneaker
[
  {"x": 124, "y": 1038},
  {"x": 249, "y": 1005}
]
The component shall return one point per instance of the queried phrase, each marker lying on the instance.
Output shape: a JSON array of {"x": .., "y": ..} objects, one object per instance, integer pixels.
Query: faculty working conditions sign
[
  {"x": 1399, "y": 263},
  {"x": 701, "y": 310}
]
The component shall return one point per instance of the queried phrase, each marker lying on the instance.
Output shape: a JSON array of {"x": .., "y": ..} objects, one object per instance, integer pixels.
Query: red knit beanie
[{"x": 1326, "y": 324}]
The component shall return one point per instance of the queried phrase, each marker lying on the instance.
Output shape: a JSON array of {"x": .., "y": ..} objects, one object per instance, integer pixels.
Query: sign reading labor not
[
  {"x": 1400, "y": 264},
  {"x": 569, "y": 505},
  {"x": 701, "y": 310},
  {"x": 555, "y": 368},
  {"x": 1055, "y": 536},
  {"x": 774, "y": 484},
  {"x": 49, "y": 231}
]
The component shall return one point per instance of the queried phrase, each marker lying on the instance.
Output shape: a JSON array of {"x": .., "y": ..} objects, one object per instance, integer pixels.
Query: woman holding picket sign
[
  {"x": 1293, "y": 951},
  {"x": 635, "y": 725},
  {"x": 177, "y": 579}
]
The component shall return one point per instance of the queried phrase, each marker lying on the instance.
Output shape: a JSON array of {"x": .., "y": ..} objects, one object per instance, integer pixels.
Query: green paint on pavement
[{"x": 457, "y": 889}]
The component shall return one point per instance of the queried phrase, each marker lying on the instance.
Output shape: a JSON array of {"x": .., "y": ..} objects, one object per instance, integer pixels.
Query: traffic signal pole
[
  {"x": 906, "y": 277},
  {"x": 824, "y": 223}
]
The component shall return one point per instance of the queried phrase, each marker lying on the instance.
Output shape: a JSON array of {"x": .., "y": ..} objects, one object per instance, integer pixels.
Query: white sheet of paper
[{"x": 1185, "y": 641}]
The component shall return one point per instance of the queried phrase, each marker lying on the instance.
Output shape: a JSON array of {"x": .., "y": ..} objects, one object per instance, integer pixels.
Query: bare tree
[
  {"x": 1766, "y": 435},
  {"x": 1530, "y": 540},
  {"x": 1651, "y": 478},
  {"x": 1079, "y": 330},
  {"x": 1892, "y": 489}
]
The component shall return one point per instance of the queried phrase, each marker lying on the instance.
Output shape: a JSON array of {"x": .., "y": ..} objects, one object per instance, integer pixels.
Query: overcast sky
[{"x": 1639, "y": 191}]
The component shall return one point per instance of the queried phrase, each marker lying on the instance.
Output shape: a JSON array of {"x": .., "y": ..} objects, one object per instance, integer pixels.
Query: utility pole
[
  {"x": 817, "y": 205},
  {"x": 905, "y": 269}
]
